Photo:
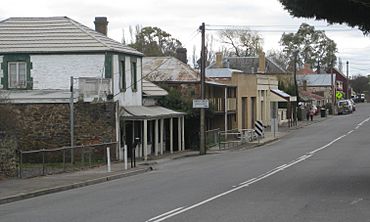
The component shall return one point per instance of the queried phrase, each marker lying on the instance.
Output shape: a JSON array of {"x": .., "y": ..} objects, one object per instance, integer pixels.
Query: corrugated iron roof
[
  {"x": 249, "y": 65},
  {"x": 221, "y": 72},
  {"x": 169, "y": 69},
  {"x": 148, "y": 112},
  {"x": 315, "y": 79},
  {"x": 150, "y": 89},
  {"x": 54, "y": 34}
]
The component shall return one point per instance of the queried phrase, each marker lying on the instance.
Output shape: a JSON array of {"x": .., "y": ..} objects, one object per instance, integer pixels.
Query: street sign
[
  {"x": 200, "y": 103},
  {"x": 339, "y": 95}
]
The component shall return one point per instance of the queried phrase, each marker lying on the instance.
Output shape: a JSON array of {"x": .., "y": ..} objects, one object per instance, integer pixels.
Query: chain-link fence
[{"x": 65, "y": 159}]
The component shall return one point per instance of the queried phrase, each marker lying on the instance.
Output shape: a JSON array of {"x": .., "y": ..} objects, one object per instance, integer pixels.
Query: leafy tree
[
  {"x": 240, "y": 42},
  {"x": 152, "y": 41},
  {"x": 360, "y": 84},
  {"x": 313, "y": 46},
  {"x": 351, "y": 12}
]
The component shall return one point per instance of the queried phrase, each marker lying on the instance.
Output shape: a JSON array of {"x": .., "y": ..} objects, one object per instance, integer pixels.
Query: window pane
[
  {"x": 22, "y": 74},
  {"x": 12, "y": 74}
]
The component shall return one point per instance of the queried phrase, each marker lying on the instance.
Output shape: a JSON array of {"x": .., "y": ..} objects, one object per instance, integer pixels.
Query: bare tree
[{"x": 240, "y": 42}]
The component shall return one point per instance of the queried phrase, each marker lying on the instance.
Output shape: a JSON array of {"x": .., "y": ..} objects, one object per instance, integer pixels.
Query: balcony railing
[{"x": 218, "y": 104}]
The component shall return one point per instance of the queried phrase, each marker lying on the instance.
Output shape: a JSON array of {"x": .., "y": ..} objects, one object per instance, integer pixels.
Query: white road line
[
  {"x": 253, "y": 180},
  {"x": 248, "y": 181},
  {"x": 165, "y": 214}
]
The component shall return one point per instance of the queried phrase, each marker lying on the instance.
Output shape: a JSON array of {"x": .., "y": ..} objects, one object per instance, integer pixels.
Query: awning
[
  {"x": 281, "y": 96},
  {"x": 148, "y": 113}
]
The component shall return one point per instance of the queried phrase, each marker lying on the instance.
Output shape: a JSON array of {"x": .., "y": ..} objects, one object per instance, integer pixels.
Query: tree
[
  {"x": 313, "y": 46},
  {"x": 240, "y": 42},
  {"x": 360, "y": 84},
  {"x": 351, "y": 12},
  {"x": 152, "y": 41},
  {"x": 281, "y": 59}
]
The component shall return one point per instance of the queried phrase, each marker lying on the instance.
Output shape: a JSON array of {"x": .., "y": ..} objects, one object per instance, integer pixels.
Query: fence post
[{"x": 108, "y": 160}]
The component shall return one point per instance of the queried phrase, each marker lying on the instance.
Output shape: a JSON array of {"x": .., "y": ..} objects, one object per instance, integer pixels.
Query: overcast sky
[{"x": 182, "y": 18}]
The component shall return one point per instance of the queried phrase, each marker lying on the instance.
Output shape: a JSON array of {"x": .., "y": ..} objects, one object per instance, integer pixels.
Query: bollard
[
  {"x": 125, "y": 155},
  {"x": 108, "y": 160}
]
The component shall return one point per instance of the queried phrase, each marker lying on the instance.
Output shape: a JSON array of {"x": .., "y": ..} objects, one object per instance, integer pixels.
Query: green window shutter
[
  {"x": 17, "y": 72},
  {"x": 108, "y": 65},
  {"x": 134, "y": 76}
]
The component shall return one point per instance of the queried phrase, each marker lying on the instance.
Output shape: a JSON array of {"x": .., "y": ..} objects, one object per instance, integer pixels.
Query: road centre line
[
  {"x": 253, "y": 180},
  {"x": 165, "y": 214}
]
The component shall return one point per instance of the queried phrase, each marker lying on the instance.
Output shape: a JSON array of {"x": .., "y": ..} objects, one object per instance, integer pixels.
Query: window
[
  {"x": 122, "y": 75},
  {"x": 133, "y": 76},
  {"x": 17, "y": 74}
]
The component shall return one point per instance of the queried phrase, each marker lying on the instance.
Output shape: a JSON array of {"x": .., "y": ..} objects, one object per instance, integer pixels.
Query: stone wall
[
  {"x": 39, "y": 126},
  {"x": 8, "y": 161}
]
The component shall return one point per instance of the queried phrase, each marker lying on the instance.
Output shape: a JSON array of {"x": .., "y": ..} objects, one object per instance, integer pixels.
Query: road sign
[
  {"x": 200, "y": 103},
  {"x": 339, "y": 95},
  {"x": 259, "y": 128}
]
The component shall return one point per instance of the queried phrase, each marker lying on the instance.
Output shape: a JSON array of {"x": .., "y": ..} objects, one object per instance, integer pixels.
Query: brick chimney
[
  {"x": 261, "y": 62},
  {"x": 181, "y": 54},
  {"x": 219, "y": 60},
  {"x": 101, "y": 25}
]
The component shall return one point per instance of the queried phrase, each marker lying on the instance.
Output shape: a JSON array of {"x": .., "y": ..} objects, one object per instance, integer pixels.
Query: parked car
[
  {"x": 344, "y": 107},
  {"x": 353, "y": 105}
]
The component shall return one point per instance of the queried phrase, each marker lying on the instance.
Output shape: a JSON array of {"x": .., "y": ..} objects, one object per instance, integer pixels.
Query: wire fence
[
  {"x": 34, "y": 163},
  {"x": 212, "y": 138}
]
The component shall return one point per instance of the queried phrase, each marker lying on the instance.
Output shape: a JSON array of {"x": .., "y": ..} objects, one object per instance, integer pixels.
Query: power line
[{"x": 271, "y": 28}]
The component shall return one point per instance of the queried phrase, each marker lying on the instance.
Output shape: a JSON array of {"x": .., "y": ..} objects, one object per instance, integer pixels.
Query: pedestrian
[
  {"x": 307, "y": 109},
  {"x": 312, "y": 112}
]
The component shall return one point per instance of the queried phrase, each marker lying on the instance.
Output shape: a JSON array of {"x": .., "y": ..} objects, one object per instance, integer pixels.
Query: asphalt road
[{"x": 318, "y": 173}]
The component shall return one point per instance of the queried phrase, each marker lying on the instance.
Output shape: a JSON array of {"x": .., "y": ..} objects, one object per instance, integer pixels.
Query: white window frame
[{"x": 17, "y": 83}]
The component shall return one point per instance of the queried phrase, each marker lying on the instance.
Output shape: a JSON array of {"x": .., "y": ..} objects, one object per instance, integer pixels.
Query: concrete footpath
[{"x": 19, "y": 189}]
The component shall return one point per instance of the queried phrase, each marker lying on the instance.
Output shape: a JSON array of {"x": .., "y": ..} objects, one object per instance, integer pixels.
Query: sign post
[{"x": 200, "y": 103}]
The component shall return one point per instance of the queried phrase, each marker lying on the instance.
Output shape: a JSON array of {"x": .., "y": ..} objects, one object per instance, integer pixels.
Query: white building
[{"x": 39, "y": 55}]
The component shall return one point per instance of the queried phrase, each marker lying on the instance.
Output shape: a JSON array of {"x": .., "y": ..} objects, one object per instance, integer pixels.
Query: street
[{"x": 317, "y": 173}]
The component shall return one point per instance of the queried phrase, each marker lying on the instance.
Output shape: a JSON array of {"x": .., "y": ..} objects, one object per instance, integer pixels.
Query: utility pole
[
  {"x": 347, "y": 93},
  {"x": 71, "y": 118},
  {"x": 202, "y": 148},
  {"x": 332, "y": 89},
  {"x": 296, "y": 86}
]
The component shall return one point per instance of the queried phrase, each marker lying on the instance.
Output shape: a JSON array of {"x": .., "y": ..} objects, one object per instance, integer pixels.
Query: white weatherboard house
[{"x": 39, "y": 55}]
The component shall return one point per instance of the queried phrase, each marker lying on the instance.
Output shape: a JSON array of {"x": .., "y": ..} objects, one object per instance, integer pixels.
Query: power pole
[
  {"x": 202, "y": 148},
  {"x": 332, "y": 89},
  {"x": 296, "y": 86},
  {"x": 347, "y": 93},
  {"x": 71, "y": 117}
]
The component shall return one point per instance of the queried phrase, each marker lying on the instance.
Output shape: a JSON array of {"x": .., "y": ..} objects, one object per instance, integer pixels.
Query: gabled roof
[
  {"x": 315, "y": 79},
  {"x": 54, "y": 35},
  {"x": 168, "y": 69},
  {"x": 249, "y": 65}
]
